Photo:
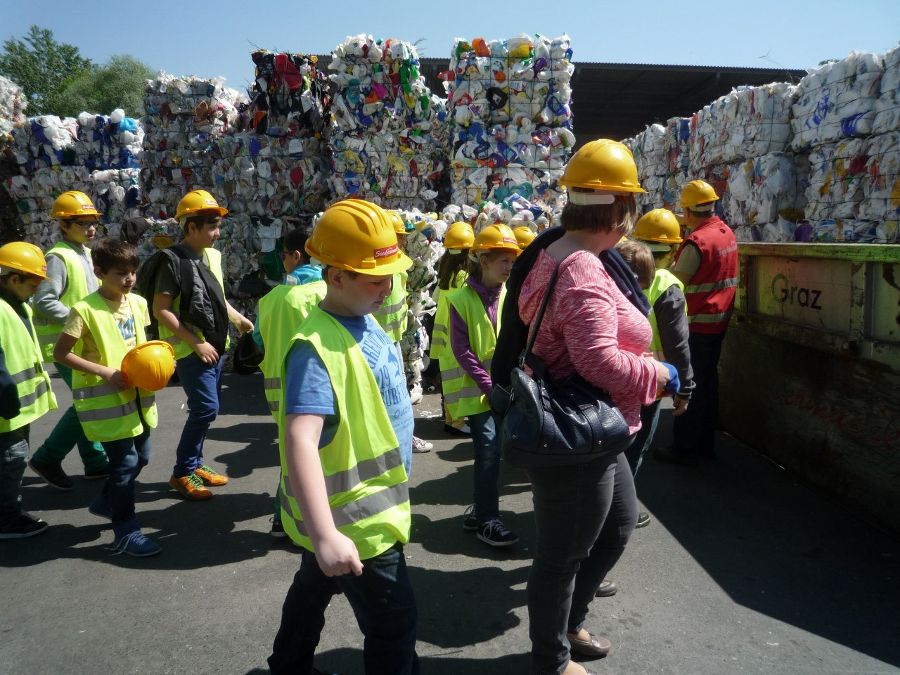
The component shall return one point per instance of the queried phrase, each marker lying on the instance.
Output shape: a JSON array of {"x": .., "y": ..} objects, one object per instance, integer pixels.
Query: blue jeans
[
  {"x": 643, "y": 439},
  {"x": 383, "y": 603},
  {"x": 695, "y": 430},
  {"x": 202, "y": 383},
  {"x": 487, "y": 465},
  {"x": 13, "y": 456},
  {"x": 127, "y": 456},
  {"x": 68, "y": 432},
  {"x": 584, "y": 515}
]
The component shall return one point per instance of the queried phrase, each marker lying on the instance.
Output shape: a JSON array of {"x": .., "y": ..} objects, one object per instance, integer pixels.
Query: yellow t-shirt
[{"x": 121, "y": 311}]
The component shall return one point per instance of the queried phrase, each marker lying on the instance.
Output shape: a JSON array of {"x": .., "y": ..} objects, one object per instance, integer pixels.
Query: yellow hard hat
[
  {"x": 496, "y": 237},
  {"x": 198, "y": 201},
  {"x": 460, "y": 236},
  {"x": 357, "y": 235},
  {"x": 659, "y": 226},
  {"x": 23, "y": 257},
  {"x": 73, "y": 204},
  {"x": 697, "y": 192},
  {"x": 524, "y": 235},
  {"x": 149, "y": 365},
  {"x": 397, "y": 221},
  {"x": 602, "y": 165}
]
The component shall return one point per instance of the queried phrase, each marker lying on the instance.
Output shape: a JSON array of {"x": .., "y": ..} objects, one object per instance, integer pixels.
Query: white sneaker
[{"x": 421, "y": 445}]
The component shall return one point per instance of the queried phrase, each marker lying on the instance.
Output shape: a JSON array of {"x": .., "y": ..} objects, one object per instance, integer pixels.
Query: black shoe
[
  {"x": 24, "y": 525},
  {"x": 95, "y": 474},
  {"x": 607, "y": 589},
  {"x": 52, "y": 473},
  {"x": 454, "y": 431},
  {"x": 470, "y": 520},
  {"x": 643, "y": 519},
  {"x": 494, "y": 533},
  {"x": 674, "y": 457},
  {"x": 277, "y": 530}
]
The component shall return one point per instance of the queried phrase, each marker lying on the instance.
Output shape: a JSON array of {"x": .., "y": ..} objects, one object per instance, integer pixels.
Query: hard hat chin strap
[{"x": 590, "y": 198}]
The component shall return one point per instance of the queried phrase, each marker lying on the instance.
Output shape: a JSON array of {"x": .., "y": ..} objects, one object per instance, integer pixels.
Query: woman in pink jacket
[{"x": 585, "y": 513}]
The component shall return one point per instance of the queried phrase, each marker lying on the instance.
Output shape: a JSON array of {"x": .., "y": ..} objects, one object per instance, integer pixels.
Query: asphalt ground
[{"x": 743, "y": 569}]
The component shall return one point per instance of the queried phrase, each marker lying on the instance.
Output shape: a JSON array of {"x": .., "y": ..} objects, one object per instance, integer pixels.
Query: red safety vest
[{"x": 710, "y": 292}]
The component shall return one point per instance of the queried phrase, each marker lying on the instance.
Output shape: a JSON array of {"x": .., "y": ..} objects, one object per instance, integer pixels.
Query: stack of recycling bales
[
  {"x": 386, "y": 141},
  {"x": 648, "y": 148},
  {"x": 12, "y": 113},
  {"x": 511, "y": 118},
  {"x": 12, "y": 106},
  {"x": 95, "y": 154},
  {"x": 833, "y": 114}
]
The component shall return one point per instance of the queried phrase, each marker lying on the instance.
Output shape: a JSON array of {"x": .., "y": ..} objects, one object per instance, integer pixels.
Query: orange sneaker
[
  {"x": 190, "y": 487},
  {"x": 210, "y": 476}
]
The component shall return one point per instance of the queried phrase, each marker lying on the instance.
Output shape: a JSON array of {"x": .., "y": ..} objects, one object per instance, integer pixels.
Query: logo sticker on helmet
[{"x": 386, "y": 251}]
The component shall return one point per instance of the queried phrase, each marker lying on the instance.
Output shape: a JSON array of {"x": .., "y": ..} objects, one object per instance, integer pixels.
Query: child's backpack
[{"x": 145, "y": 284}]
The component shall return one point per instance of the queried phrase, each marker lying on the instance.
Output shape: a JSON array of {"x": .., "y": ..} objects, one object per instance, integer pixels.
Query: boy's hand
[
  {"x": 206, "y": 352},
  {"x": 244, "y": 325},
  {"x": 117, "y": 379},
  {"x": 337, "y": 555}
]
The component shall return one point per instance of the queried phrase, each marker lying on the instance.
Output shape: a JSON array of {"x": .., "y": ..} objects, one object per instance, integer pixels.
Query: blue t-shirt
[
  {"x": 308, "y": 388},
  {"x": 303, "y": 274}
]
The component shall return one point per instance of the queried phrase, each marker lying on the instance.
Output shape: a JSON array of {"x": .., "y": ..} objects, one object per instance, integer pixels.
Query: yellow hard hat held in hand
[{"x": 149, "y": 365}]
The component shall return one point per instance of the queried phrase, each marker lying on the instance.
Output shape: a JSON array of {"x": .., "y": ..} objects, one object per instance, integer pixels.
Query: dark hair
[
  {"x": 325, "y": 269},
  {"x": 600, "y": 217},
  {"x": 449, "y": 266},
  {"x": 110, "y": 253},
  {"x": 295, "y": 240},
  {"x": 200, "y": 218},
  {"x": 640, "y": 259}
]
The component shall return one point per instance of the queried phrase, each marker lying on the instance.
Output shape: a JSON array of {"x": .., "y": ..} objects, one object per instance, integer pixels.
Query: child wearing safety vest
[
  {"x": 100, "y": 330},
  {"x": 25, "y": 391},
  {"x": 658, "y": 233},
  {"x": 70, "y": 277},
  {"x": 345, "y": 418},
  {"x": 475, "y": 310},
  {"x": 281, "y": 311},
  {"x": 452, "y": 274}
]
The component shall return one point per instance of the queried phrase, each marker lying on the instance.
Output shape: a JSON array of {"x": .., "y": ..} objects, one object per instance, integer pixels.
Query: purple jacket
[{"x": 459, "y": 335}]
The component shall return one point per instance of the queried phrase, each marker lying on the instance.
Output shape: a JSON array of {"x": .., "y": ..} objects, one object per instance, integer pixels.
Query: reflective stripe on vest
[
  {"x": 713, "y": 286},
  {"x": 107, "y": 413},
  {"x": 440, "y": 332},
  {"x": 462, "y": 395},
  {"x": 213, "y": 259},
  {"x": 362, "y": 465},
  {"x": 23, "y": 362},
  {"x": 281, "y": 312},
  {"x": 76, "y": 288},
  {"x": 392, "y": 315}
]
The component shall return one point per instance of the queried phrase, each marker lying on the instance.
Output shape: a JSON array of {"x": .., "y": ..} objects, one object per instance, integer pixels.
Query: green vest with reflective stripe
[
  {"x": 440, "y": 333},
  {"x": 106, "y": 413},
  {"x": 392, "y": 314},
  {"x": 662, "y": 281},
  {"x": 281, "y": 311},
  {"x": 363, "y": 467},
  {"x": 25, "y": 366},
  {"x": 462, "y": 395},
  {"x": 213, "y": 259},
  {"x": 76, "y": 288}
]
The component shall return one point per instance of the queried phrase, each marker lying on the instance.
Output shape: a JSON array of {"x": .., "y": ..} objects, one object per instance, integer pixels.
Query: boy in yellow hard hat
[
  {"x": 25, "y": 391},
  {"x": 99, "y": 332},
  {"x": 345, "y": 416},
  {"x": 70, "y": 277},
  {"x": 197, "y": 327}
]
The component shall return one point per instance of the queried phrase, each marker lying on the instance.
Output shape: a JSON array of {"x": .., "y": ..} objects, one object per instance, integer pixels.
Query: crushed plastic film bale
[
  {"x": 887, "y": 107},
  {"x": 881, "y": 190},
  {"x": 511, "y": 117},
  {"x": 648, "y": 148},
  {"x": 386, "y": 143},
  {"x": 838, "y": 175},
  {"x": 745, "y": 123},
  {"x": 12, "y": 105},
  {"x": 763, "y": 190},
  {"x": 837, "y": 100},
  {"x": 677, "y": 145}
]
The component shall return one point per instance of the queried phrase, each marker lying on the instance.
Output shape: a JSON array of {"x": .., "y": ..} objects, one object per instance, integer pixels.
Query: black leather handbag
[{"x": 545, "y": 422}]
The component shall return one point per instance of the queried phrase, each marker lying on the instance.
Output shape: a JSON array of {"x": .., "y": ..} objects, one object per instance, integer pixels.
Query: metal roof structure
[{"x": 617, "y": 100}]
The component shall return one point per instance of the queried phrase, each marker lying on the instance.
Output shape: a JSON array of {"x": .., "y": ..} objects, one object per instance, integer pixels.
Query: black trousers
[{"x": 695, "y": 431}]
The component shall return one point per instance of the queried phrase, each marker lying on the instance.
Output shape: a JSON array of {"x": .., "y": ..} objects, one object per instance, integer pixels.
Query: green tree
[
  {"x": 43, "y": 67},
  {"x": 119, "y": 83}
]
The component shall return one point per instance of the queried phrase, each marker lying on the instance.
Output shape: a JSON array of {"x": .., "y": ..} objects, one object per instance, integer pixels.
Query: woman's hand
[{"x": 662, "y": 375}]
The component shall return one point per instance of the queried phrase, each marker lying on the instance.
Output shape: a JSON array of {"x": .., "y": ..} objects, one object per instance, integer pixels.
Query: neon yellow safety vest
[
  {"x": 281, "y": 311},
  {"x": 440, "y": 333},
  {"x": 662, "y": 281},
  {"x": 213, "y": 260},
  {"x": 76, "y": 288},
  {"x": 106, "y": 413},
  {"x": 25, "y": 366},
  {"x": 392, "y": 314},
  {"x": 462, "y": 395},
  {"x": 363, "y": 467}
]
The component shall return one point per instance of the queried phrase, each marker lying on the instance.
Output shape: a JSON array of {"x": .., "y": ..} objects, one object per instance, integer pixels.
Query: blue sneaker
[
  {"x": 136, "y": 544},
  {"x": 100, "y": 507}
]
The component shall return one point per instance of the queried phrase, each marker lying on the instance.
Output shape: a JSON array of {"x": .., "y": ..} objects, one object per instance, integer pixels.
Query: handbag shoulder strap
[{"x": 539, "y": 317}]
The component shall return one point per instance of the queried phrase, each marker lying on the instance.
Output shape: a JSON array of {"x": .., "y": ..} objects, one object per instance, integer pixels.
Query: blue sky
[{"x": 198, "y": 37}]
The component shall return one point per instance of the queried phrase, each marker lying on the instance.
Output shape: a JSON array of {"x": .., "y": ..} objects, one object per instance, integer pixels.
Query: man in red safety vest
[{"x": 707, "y": 264}]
